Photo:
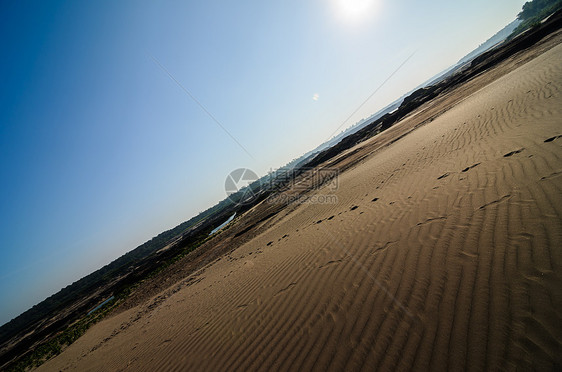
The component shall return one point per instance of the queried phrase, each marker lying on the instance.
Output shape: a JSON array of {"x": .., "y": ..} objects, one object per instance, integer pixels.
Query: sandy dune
[{"x": 443, "y": 252}]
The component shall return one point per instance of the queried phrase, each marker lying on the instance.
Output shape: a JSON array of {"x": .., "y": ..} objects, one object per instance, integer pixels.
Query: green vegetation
[
  {"x": 55, "y": 345},
  {"x": 534, "y": 12}
]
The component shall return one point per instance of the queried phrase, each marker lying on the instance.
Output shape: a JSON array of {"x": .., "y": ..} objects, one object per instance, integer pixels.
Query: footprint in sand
[
  {"x": 469, "y": 168},
  {"x": 552, "y": 175},
  {"x": 552, "y": 138},
  {"x": 505, "y": 197},
  {"x": 513, "y": 152}
]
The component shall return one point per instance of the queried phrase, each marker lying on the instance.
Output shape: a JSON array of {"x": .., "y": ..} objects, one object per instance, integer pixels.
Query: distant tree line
[{"x": 534, "y": 12}]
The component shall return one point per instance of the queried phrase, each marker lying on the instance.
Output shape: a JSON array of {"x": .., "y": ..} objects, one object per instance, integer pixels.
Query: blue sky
[{"x": 100, "y": 150}]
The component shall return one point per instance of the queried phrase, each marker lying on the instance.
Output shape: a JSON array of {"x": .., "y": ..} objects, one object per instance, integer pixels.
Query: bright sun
[{"x": 355, "y": 9}]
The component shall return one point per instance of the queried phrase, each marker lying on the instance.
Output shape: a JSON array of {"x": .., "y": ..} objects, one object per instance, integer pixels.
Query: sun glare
[{"x": 355, "y": 9}]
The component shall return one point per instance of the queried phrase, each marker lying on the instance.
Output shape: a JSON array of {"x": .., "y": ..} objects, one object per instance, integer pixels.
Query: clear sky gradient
[{"x": 100, "y": 150}]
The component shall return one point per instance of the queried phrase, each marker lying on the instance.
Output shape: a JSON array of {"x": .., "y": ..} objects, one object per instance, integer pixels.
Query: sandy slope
[{"x": 456, "y": 265}]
